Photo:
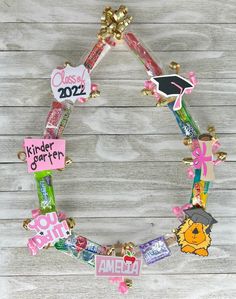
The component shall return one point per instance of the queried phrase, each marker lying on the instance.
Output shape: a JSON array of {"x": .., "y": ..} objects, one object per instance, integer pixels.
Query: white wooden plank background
[{"x": 127, "y": 173}]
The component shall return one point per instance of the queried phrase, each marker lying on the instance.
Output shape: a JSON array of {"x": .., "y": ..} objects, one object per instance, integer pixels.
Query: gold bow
[{"x": 114, "y": 22}]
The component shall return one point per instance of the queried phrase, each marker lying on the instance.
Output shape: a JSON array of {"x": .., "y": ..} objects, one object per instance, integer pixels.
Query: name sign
[
  {"x": 44, "y": 154},
  {"x": 116, "y": 266}
]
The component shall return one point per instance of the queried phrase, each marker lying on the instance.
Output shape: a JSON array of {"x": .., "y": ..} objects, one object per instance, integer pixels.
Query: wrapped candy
[
  {"x": 57, "y": 119},
  {"x": 100, "y": 49},
  {"x": 140, "y": 51},
  {"x": 81, "y": 248},
  {"x": 45, "y": 191},
  {"x": 154, "y": 250}
]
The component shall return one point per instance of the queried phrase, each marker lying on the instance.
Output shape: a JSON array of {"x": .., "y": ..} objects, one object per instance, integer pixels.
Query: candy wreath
[{"x": 53, "y": 228}]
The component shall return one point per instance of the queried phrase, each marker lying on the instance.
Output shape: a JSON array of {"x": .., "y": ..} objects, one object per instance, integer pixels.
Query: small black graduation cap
[
  {"x": 201, "y": 216},
  {"x": 172, "y": 86}
]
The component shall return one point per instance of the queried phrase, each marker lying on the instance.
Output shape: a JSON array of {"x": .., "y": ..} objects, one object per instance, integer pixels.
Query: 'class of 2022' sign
[{"x": 70, "y": 83}]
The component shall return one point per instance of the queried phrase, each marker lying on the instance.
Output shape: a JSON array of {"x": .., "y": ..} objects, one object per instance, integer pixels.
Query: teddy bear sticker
[{"x": 193, "y": 235}]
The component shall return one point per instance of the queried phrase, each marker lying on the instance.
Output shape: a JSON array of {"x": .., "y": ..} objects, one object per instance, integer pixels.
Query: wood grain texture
[
  {"x": 139, "y": 230},
  {"x": 122, "y": 93},
  {"x": 115, "y": 175},
  {"x": 158, "y": 37},
  {"x": 124, "y": 120},
  {"x": 127, "y": 172},
  {"x": 17, "y": 261},
  {"x": 120, "y": 148},
  {"x": 166, "y": 286},
  {"x": 74, "y": 11},
  {"x": 98, "y": 202},
  {"x": 39, "y": 64}
]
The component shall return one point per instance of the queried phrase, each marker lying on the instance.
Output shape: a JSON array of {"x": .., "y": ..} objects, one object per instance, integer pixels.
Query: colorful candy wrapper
[
  {"x": 45, "y": 191},
  {"x": 199, "y": 190},
  {"x": 143, "y": 55},
  {"x": 81, "y": 248},
  {"x": 186, "y": 123},
  {"x": 154, "y": 250},
  {"x": 100, "y": 49},
  {"x": 57, "y": 119}
]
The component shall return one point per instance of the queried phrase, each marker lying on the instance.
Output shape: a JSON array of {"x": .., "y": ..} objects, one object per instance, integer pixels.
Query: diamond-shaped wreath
[{"x": 54, "y": 228}]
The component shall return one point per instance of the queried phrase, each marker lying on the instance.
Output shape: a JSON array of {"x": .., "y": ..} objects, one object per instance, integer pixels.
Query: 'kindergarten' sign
[{"x": 44, "y": 154}]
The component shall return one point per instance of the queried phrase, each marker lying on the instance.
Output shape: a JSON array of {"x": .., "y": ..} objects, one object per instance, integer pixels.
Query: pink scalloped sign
[{"x": 70, "y": 83}]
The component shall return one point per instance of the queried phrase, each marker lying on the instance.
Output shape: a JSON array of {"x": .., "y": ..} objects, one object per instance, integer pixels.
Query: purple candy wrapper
[{"x": 154, "y": 250}]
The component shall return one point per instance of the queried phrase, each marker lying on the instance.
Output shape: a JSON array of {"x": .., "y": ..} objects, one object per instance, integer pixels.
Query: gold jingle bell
[
  {"x": 128, "y": 282},
  {"x": 68, "y": 161},
  {"x": 174, "y": 66},
  {"x": 188, "y": 161},
  {"x": 221, "y": 156},
  {"x": 21, "y": 156},
  {"x": 25, "y": 223},
  {"x": 212, "y": 131},
  {"x": 187, "y": 141},
  {"x": 94, "y": 94},
  {"x": 146, "y": 92},
  {"x": 71, "y": 222}
]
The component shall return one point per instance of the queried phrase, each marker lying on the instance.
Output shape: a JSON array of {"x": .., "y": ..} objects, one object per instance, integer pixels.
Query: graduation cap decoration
[
  {"x": 172, "y": 86},
  {"x": 199, "y": 215}
]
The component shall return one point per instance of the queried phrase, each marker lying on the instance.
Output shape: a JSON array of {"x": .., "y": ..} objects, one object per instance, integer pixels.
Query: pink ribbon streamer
[{"x": 201, "y": 158}]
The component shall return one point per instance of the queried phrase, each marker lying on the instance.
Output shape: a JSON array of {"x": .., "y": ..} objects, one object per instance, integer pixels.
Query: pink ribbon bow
[
  {"x": 201, "y": 158},
  {"x": 179, "y": 211},
  {"x": 122, "y": 287}
]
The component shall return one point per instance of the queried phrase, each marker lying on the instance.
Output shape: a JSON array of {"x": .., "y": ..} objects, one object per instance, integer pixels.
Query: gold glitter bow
[{"x": 114, "y": 22}]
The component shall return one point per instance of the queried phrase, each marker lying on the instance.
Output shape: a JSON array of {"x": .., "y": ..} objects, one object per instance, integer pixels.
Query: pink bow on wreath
[
  {"x": 201, "y": 158},
  {"x": 122, "y": 287},
  {"x": 179, "y": 211}
]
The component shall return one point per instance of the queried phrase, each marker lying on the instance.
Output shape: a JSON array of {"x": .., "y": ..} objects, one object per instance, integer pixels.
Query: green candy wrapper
[{"x": 46, "y": 196}]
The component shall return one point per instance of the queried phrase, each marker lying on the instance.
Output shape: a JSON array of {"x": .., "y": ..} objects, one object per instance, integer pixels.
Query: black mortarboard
[
  {"x": 201, "y": 216},
  {"x": 172, "y": 86}
]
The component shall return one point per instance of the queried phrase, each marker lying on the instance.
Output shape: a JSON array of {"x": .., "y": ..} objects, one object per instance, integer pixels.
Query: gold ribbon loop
[{"x": 114, "y": 22}]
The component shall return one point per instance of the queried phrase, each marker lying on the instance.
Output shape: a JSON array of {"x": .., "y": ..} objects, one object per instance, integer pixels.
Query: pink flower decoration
[
  {"x": 201, "y": 158},
  {"x": 94, "y": 87},
  {"x": 35, "y": 213},
  {"x": 190, "y": 172},
  {"x": 123, "y": 289}
]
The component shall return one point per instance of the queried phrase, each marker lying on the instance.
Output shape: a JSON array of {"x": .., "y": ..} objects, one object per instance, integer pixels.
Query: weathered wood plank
[
  {"x": 105, "y": 230},
  {"x": 104, "y": 148},
  {"x": 36, "y": 92},
  {"x": 166, "y": 286},
  {"x": 118, "y": 176},
  {"x": 212, "y": 11},
  {"x": 101, "y": 120},
  {"x": 94, "y": 202},
  {"x": 117, "y": 65},
  {"x": 17, "y": 261},
  {"x": 158, "y": 37}
]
